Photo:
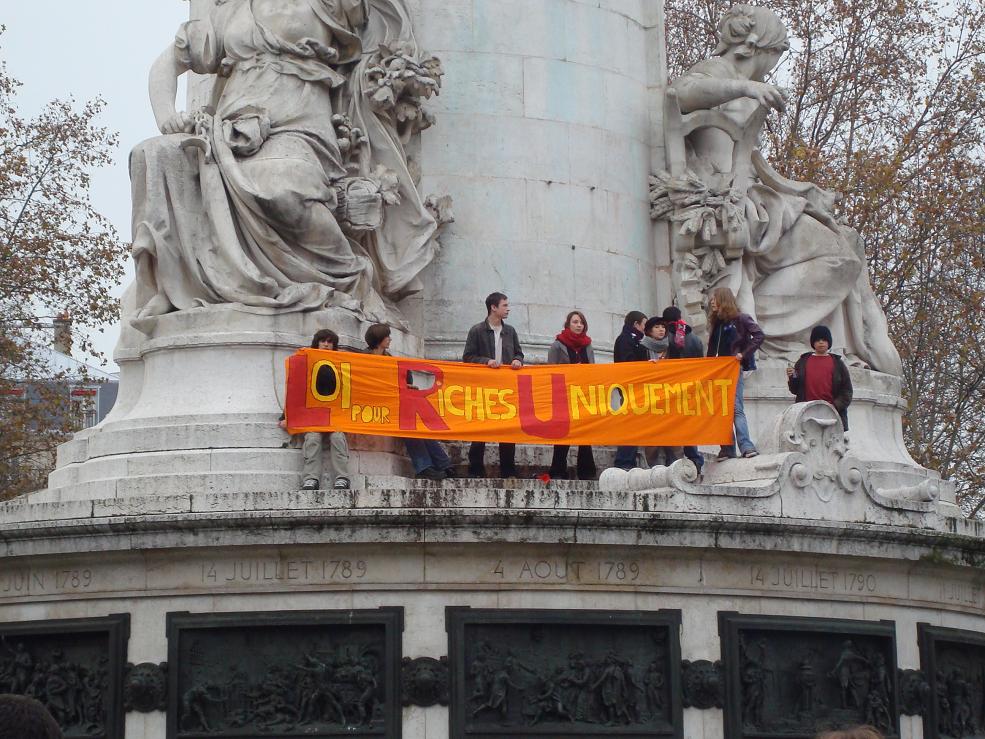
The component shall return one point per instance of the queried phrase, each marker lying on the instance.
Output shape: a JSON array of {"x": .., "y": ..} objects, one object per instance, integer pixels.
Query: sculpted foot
[{"x": 156, "y": 306}]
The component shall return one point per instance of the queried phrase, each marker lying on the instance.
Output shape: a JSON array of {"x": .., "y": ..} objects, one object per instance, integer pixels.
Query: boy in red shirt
[{"x": 820, "y": 375}]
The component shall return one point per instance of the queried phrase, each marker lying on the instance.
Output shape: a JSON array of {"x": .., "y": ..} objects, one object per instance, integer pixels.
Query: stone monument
[{"x": 174, "y": 582}]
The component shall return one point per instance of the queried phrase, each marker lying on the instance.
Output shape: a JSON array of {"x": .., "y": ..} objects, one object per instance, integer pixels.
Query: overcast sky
[{"x": 62, "y": 48}]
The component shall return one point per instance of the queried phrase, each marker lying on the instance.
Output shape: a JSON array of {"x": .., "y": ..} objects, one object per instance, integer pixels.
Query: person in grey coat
[
  {"x": 573, "y": 346},
  {"x": 495, "y": 344}
]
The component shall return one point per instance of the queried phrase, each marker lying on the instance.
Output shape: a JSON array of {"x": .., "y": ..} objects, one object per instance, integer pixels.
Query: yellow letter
[
  {"x": 473, "y": 404},
  {"x": 510, "y": 413},
  {"x": 577, "y": 395},
  {"x": 653, "y": 396},
  {"x": 638, "y": 409},
  {"x": 726, "y": 388},
  {"x": 688, "y": 410},
  {"x": 452, "y": 408},
  {"x": 703, "y": 391}
]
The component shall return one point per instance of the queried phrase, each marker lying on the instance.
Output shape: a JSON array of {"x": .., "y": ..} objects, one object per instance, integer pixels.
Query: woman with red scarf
[{"x": 573, "y": 346}]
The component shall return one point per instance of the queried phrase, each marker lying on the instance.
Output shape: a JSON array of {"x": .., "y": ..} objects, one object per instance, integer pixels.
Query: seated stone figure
[
  {"x": 774, "y": 242},
  {"x": 239, "y": 202}
]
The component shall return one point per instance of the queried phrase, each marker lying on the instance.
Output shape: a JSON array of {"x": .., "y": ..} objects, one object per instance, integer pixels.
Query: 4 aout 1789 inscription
[{"x": 568, "y": 570}]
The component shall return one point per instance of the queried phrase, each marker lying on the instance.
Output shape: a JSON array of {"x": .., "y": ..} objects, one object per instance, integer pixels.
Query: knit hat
[{"x": 821, "y": 332}]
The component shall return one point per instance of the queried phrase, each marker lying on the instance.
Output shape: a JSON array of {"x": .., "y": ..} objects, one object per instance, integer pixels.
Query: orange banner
[{"x": 668, "y": 403}]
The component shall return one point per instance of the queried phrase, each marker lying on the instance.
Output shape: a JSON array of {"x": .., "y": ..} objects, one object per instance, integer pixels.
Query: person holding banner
[
  {"x": 734, "y": 334},
  {"x": 683, "y": 344},
  {"x": 495, "y": 344},
  {"x": 426, "y": 455},
  {"x": 573, "y": 346},
  {"x": 629, "y": 349},
  {"x": 313, "y": 446}
]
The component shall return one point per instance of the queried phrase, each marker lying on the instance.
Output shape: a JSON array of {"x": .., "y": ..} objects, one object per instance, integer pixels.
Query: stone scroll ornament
[
  {"x": 953, "y": 664},
  {"x": 292, "y": 190},
  {"x": 564, "y": 673},
  {"x": 317, "y": 673},
  {"x": 789, "y": 676},
  {"x": 74, "y": 667},
  {"x": 737, "y": 223}
]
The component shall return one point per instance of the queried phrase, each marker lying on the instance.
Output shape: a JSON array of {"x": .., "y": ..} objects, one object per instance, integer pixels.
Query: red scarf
[{"x": 575, "y": 342}]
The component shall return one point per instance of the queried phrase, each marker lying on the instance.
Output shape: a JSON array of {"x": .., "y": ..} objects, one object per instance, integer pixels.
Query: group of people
[{"x": 817, "y": 375}]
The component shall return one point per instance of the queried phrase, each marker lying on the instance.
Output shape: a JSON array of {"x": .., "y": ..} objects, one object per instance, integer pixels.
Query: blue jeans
[
  {"x": 741, "y": 435},
  {"x": 426, "y": 453},
  {"x": 625, "y": 457}
]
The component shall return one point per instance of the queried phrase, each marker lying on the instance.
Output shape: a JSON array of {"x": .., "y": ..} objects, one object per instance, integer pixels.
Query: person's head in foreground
[
  {"x": 24, "y": 718},
  {"x": 859, "y": 732}
]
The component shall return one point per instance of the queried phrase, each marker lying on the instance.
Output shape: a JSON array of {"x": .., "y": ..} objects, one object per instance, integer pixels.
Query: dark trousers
[
  {"x": 667, "y": 455},
  {"x": 585, "y": 467},
  {"x": 507, "y": 459}
]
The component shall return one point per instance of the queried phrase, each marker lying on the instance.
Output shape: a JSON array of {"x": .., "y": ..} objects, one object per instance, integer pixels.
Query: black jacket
[
  {"x": 480, "y": 344},
  {"x": 841, "y": 385},
  {"x": 627, "y": 347}
]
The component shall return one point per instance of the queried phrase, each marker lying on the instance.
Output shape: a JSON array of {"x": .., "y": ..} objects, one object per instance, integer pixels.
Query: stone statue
[
  {"x": 737, "y": 223},
  {"x": 291, "y": 191}
]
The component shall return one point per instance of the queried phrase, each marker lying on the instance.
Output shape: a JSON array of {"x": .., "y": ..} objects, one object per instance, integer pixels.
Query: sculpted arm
[
  {"x": 701, "y": 92},
  {"x": 163, "y": 86}
]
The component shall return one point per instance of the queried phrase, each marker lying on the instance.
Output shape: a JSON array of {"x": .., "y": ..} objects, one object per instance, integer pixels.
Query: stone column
[{"x": 545, "y": 145}]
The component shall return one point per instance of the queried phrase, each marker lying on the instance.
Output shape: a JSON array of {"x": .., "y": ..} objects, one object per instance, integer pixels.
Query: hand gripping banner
[{"x": 672, "y": 402}]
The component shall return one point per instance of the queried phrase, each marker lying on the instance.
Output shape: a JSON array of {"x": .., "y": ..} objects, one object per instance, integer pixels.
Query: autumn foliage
[
  {"x": 57, "y": 256},
  {"x": 887, "y": 105}
]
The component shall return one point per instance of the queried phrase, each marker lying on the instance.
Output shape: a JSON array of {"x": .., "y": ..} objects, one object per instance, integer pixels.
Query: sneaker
[
  {"x": 430, "y": 473},
  {"x": 750, "y": 453},
  {"x": 310, "y": 484},
  {"x": 342, "y": 483},
  {"x": 725, "y": 454}
]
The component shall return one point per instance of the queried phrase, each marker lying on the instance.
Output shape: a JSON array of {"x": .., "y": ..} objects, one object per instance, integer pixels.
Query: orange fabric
[{"x": 668, "y": 403}]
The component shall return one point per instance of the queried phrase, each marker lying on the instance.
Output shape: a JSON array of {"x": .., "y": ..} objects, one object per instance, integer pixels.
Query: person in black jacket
[
  {"x": 820, "y": 375},
  {"x": 495, "y": 344},
  {"x": 628, "y": 349}
]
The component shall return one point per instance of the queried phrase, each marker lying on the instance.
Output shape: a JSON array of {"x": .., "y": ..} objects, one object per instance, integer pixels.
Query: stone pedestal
[
  {"x": 200, "y": 396},
  {"x": 507, "y": 545}
]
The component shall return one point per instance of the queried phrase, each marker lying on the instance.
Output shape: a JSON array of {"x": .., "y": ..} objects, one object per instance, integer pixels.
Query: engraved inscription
[
  {"x": 26, "y": 581},
  {"x": 963, "y": 593},
  {"x": 789, "y": 577},
  {"x": 568, "y": 570},
  {"x": 277, "y": 570}
]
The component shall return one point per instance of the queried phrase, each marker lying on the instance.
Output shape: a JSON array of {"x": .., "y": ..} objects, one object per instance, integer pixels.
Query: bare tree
[{"x": 57, "y": 255}]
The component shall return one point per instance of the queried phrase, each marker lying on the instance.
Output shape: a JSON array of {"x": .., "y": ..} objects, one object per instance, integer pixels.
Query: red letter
[
  {"x": 414, "y": 403},
  {"x": 557, "y": 427}
]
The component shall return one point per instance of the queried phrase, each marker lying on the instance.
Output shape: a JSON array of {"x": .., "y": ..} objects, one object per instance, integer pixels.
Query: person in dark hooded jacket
[
  {"x": 821, "y": 375},
  {"x": 683, "y": 344}
]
